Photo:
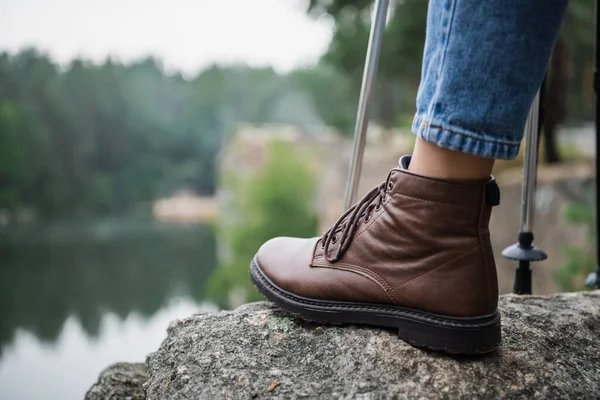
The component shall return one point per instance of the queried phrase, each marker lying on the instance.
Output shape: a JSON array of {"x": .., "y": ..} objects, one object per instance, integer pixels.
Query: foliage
[
  {"x": 277, "y": 201},
  {"x": 13, "y": 166},
  {"x": 331, "y": 93},
  {"x": 401, "y": 53},
  {"x": 577, "y": 32},
  {"x": 579, "y": 259},
  {"x": 90, "y": 139},
  {"x": 96, "y": 139}
]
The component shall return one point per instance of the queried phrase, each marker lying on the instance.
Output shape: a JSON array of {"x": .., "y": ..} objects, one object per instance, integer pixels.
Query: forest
[
  {"x": 104, "y": 139},
  {"x": 108, "y": 138}
]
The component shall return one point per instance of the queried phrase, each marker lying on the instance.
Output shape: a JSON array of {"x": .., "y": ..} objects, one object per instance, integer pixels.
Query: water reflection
[
  {"x": 76, "y": 300},
  {"x": 32, "y": 369}
]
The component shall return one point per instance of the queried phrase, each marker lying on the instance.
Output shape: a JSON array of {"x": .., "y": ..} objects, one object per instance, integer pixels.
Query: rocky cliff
[{"x": 550, "y": 349}]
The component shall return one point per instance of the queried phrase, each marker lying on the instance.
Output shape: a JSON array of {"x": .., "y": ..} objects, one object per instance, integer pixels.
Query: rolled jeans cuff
[{"x": 459, "y": 139}]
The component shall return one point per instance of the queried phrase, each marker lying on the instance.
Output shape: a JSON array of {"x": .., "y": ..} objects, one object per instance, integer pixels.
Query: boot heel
[{"x": 461, "y": 337}]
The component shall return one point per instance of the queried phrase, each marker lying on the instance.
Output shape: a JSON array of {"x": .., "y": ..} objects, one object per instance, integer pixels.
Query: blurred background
[{"x": 148, "y": 148}]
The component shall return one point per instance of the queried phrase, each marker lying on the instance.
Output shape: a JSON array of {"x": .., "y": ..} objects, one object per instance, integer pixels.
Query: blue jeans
[{"x": 483, "y": 63}]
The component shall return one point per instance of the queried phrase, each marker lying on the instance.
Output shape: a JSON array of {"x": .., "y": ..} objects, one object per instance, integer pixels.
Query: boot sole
[{"x": 454, "y": 335}]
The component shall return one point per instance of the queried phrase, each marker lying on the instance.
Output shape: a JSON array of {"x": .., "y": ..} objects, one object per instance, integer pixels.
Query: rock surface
[
  {"x": 121, "y": 381},
  {"x": 550, "y": 349}
]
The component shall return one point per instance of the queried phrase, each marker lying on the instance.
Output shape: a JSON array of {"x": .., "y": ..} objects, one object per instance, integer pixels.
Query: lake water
[{"x": 74, "y": 300}]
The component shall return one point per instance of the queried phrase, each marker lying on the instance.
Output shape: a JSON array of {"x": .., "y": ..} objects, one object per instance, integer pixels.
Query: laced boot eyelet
[
  {"x": 378, "y": 207},
  {"x": 390, "y": 186},
  {"x": 367, "y": 218},
  {"x": 333, "y": 239}
]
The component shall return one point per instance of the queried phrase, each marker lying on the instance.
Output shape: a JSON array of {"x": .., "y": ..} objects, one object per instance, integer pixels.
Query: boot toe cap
[
  {"x": 283, "y": 259},
  {"x": 286, "y": 262}
]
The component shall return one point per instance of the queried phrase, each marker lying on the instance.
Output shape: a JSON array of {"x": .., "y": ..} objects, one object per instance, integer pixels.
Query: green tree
[
  {"x": 579, "y": 258},
  {"x": 108, "y": 138},
  {"x": 278, "y": 201},
  {"x": 330, "y": 92},
  {"x": 13, "y": 158},
  {"x": 401, "y": 53},
  {"x": 570, "y": 62}
]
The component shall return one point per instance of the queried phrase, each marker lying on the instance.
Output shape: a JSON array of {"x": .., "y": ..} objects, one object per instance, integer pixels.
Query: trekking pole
[
  {"x": 593, "y": 279},
  {"x": 366, "y": 91},
  {"x": 524, "y": 251}
]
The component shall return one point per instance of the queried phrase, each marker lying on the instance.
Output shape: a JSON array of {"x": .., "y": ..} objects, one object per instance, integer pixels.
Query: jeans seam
[
  {"x": 470, "y": 136},
  {"x": 473, "y": 143},
  {"x": 441, "y": 66}
]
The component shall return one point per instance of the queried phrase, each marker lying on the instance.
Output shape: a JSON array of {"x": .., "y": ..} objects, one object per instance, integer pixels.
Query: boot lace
[{"x": 348, "y": 223}]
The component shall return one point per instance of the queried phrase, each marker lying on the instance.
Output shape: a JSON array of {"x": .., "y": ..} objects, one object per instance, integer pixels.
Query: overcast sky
[{"x": 185, "y": 34}]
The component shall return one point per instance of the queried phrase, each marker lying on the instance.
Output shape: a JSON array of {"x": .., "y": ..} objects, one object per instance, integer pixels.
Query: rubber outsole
[{"x": 453, "y": 335}]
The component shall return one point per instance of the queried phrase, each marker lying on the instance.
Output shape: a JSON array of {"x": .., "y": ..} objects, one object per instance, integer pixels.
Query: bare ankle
[{"x": 437, "y": 162}]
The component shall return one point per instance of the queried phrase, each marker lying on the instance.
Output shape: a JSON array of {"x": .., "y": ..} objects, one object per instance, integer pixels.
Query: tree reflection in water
[{"x": 44, "y": 282}]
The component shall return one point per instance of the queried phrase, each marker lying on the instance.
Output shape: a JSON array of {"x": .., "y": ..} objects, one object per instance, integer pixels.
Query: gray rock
[
  {"x": 121, "y": 381},
  {"x": 550, "y": 349}
]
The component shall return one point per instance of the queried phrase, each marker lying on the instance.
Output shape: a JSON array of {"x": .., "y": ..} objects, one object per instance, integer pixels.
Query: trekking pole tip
[
  {"x": 525, "y": 253},
  {"x": 518, "y": 253},
  {"x": 524, "y": 249}
]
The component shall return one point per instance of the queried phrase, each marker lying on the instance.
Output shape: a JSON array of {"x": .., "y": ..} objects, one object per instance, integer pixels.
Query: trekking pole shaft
[
  {"x": 362, "y": 117},
  {"x": 597, "y": 126},
  {"x": 530, "y": 167}
]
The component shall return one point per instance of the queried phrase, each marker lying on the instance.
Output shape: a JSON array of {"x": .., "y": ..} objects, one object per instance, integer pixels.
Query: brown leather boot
[{"x": 413, "y": 254}]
